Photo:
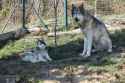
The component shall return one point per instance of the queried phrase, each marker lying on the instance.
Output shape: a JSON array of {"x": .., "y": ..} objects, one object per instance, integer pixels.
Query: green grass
[
  {"x": 69, "y": 46},
  {"x": 15, "y": 47},
  {"x": 65, "y": 44}
]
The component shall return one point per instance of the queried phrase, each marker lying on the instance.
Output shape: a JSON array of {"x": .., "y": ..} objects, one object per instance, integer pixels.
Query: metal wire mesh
[{"x": 45, "y": 9}]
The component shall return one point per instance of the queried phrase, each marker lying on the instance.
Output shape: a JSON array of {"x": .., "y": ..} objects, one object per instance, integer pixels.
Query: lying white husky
[{"x": 38, "y": 54}]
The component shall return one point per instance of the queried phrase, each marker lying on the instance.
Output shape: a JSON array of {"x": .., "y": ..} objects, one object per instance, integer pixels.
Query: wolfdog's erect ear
[
  {"x": 81, "y": 6},
  {"x": 73, "y": 5}
]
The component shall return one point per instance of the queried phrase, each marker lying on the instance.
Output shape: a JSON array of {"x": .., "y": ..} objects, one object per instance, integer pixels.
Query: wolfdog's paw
[
  {"x": 94, "y": 50},
  {"x": 81, "y": 54},
  {"x": 109, "y": 50},
  {"x": 86, "y": 55}
]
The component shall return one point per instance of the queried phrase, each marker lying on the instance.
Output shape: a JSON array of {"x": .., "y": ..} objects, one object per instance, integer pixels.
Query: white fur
[
  {"x": 88, "y": 40},
  {"x": 34, "y": 57}
]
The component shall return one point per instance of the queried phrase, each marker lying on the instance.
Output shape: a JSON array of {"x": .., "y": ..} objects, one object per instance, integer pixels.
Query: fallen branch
[
  {"x": 18, "y": 34},
  {"x": 76, "y": 31},
  {"x": 11, "y": 36}
]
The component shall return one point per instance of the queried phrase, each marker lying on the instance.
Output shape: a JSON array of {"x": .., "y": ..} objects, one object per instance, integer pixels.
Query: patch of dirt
[{"x": 65, "y": 71}]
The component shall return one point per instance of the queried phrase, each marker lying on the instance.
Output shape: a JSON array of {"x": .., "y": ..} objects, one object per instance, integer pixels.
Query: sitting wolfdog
[{"x": 95, "y": 32}]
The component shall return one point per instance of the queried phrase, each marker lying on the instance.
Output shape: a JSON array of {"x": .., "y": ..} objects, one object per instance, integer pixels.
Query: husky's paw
[{"x": 49, "y": 60}]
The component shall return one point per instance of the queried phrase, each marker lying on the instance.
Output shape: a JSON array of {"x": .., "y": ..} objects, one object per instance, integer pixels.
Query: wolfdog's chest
[{"x": 96, "y": 33}]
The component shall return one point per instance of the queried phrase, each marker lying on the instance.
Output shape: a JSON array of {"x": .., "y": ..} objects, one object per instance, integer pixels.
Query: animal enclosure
[
  {"x": 67, "y": 66},
  {"x": 12, "y": 9}
]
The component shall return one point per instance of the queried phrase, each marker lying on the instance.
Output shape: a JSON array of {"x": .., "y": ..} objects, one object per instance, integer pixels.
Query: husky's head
[
  {"x": 78, "y": 12},
  {"x": 43, "y": 55},
  {"x": 41, "y": 44},
  {"x": 38, "y": 54}
]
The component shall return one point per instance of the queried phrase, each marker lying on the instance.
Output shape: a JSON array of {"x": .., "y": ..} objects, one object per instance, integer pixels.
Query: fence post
[
  {"x": 23, "y": 16},
  {"x": 65, "y": 14},
  {"x": 95, "y": 11}
]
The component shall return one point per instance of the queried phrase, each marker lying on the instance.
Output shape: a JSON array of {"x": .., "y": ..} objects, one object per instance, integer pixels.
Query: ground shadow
[{"x": 63, "y": 55}]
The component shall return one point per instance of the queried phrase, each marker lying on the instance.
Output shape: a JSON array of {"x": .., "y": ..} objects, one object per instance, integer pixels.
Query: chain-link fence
[
  {"x": 112, "y": 12},
  {"x": 12, "y": 10}
]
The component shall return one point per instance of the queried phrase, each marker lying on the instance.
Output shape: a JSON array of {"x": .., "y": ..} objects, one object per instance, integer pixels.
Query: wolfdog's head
[{"x": 78, "y": 12}]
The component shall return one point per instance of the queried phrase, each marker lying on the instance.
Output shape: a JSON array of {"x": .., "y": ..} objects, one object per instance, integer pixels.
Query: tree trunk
[
  {"x": 20, "y": 33},
  {"x": 0, "y": 4},
  {"x": 12, "y": 36}
]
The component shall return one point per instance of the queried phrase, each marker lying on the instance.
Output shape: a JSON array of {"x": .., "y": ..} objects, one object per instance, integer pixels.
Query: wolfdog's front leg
[
  {"x": 85, "y": 47},
  {"x": 89, "y": 43}
]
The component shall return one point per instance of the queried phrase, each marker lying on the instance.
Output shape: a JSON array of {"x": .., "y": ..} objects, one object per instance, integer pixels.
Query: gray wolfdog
[{"x": 95, "y": 32}]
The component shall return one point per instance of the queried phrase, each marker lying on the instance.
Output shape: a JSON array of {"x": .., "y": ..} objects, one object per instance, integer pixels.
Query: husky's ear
[{"x": 41, "y": 41}]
